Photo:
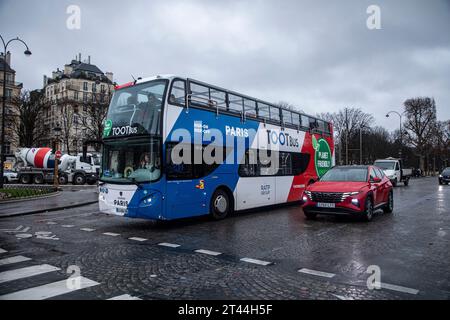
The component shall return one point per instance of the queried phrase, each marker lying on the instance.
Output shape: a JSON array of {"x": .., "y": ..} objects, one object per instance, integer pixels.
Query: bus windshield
[
  {"x": 128, "y": 161},
  {"x": 136, "y": 110}
]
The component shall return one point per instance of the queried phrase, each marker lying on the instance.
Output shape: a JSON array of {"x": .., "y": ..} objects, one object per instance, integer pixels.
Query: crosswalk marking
[
  {"x": 67, "y": 226},
  {"x": 398, "y": 288},
  {"x": 49, "y": 290},
  {"x": 111, "y": 234},
  {"x": 256, "y": 261},
  {"x": 317, "y": 273},
  {"x": 26, "y": 272},
  {"x": 2, "y": 250},
  {"x": 87, "y": 229},
  {"x": 124, "y": 297},
  {"x": 208, "y": 252},
  {"x": 14, "y": 259},
  {"x": 138, "y": 239},
  {"x": 170, "y": 245}
]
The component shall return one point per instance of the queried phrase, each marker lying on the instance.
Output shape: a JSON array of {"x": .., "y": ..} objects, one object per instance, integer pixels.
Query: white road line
[
  {"x": 87, "y": 229},
  {"x": 342, "y": 297},
  {"x": 2, "y": 250},
  {"x": 124, "y": 297},
  {"x": 256, "y": 261},
  {"x": 49, "y": 290},
  {"x": 51, "y": 222},
  {"x": 26, "y": 272},
  {"x": 317, "y": 273},
  {"x": 67, "y": 226},
  {"x": 14, "y": 259},
  {"x": 394, "y": 287},
  {"x": 111, "y": 234},
  {"x": 138, "y": 239},
  {"x": 170, "y": 245},
  {"x": 208, "y": 252}
]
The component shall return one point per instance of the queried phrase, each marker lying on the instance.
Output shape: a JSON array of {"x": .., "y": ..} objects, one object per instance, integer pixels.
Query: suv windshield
[
  {"x": 385, "y": 165},
  {"x": 346, "y": 174},
  {"x": 136, "y": 110},
  {"x": 128, "y": 161}
]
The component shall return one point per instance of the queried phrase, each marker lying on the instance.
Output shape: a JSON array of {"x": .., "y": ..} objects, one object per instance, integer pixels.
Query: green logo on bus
[
  {"x": 107, "y": 129},
  {"x": 323, "y": 157}
]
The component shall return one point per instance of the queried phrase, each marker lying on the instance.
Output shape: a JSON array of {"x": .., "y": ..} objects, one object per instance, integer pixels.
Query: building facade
[
  {"x": 76, "y": 102},
  {"x": 13, "y": 91}
]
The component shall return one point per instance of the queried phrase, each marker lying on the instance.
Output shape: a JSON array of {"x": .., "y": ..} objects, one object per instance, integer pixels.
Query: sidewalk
[{"x": 67, "y": 198}]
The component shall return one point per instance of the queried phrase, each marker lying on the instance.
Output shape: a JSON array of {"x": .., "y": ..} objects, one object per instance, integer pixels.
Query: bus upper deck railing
[{"x": 209, "y": 99}]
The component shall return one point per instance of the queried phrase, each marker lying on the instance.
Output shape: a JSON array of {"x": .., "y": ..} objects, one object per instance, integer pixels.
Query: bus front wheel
[{"x": 220, "y": 205}]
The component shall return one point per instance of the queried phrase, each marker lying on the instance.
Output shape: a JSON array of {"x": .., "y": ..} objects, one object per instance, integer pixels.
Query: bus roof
[{"x": 172, "y": 76}]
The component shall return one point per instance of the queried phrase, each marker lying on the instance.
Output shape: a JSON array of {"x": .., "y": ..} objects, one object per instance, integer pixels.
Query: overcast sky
[{"x": 317, "y": 55}]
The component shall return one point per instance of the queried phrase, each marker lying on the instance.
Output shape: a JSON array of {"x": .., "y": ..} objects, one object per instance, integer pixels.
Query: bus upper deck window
[
  {"x": 250, "y": 107},
  {"x": 235, "y": 103},
  {"x": 178, "y": 93},
  {"x": 263, "y": 111},
  {"x": 287, "y": 117},
  {"x": 274, "y": 113}
]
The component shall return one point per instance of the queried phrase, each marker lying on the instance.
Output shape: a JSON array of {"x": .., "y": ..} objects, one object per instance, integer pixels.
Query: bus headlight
[
  {"x": 355, "y": 202},
  {"x": 305, "y": 199},
  {"x": 148, "y": 200}
]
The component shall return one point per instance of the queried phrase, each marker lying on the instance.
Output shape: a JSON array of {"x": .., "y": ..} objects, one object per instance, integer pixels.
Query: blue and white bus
[{"x": 149, "y": 119}]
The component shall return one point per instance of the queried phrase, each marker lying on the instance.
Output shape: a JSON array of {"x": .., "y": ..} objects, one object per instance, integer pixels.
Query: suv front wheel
[
  {"x": 389, "y": 207},
  {"x": 368, "y": 212}
]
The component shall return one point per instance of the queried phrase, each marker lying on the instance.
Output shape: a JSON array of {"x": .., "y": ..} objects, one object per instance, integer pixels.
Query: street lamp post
[
  {"x": 400, "y": 115},
  {"x": 27, "y": 52},
  {"x": 57, "y": 131}
]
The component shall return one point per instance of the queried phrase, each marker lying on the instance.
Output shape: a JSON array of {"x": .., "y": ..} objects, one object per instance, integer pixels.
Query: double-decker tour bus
[{"x": 176, "y": 148}]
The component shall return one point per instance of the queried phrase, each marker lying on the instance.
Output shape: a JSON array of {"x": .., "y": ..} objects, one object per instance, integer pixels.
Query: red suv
[{"x": 349, "y": 190}]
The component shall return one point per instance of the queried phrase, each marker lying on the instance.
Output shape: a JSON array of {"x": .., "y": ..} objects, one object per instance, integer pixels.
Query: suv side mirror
[{"x": 375, "y": 180}]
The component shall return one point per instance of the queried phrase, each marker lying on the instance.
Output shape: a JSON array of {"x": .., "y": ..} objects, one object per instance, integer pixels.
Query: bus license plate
[
  {"x": 326, "y": 205},
  {"x": 121, "y": 210}
]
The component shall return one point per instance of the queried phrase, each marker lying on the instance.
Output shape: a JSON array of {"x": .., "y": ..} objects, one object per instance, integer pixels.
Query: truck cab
[{"x": 394, "y": 170}]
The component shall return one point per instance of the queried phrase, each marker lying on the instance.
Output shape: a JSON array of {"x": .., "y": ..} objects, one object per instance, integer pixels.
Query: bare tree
[
  {"x": 27, "y": 124},
  {"x": 420, "y": 125},
  {"x": 95, "y": 117},
  {"x": 67, "y": 122},
  {"x": 347, "y": 123}
]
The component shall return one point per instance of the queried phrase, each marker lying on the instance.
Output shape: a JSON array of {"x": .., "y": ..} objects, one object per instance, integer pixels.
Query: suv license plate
[{"x": 326, "y": 205}]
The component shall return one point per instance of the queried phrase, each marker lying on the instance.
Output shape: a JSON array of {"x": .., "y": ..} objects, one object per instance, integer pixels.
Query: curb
[{"x": 48, "y": 210}]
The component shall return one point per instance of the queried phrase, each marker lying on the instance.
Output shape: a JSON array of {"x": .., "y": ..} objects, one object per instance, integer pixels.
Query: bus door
[{"x": 185, "y": 193}]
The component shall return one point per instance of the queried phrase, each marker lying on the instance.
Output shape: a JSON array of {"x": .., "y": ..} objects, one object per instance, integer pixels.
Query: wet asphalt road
[{"x": 410, "y": 247}]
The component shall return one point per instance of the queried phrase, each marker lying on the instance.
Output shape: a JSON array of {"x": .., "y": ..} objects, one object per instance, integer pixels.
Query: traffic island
[{"x": 18, "y": 193}]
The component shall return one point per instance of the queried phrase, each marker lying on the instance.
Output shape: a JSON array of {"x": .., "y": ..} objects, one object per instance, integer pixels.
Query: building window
[
  {"x": 8, "y": 93},
  {"x": 75, "y": 95},
  {"x": 102, "y": 88},
  {"x": 94, "y": 88},
  {"x": 85, "y": 86},
  {"x": 84, "y": 108},
  {"x": 84, "y": 97},
  {"x": 7, "y": 148}
]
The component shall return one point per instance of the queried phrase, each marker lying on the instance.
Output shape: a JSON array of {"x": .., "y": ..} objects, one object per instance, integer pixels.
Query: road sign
[{"x": 58, "y": 154}]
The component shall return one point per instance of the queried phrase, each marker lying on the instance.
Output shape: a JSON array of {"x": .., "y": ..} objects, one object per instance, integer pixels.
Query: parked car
[
  {"x": 9, "y": 176},
  {"x": 444, "y": 177},
  {"x": 349, "y": 190}
]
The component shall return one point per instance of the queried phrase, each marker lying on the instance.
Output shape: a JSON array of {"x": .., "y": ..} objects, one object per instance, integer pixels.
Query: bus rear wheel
[{"x": 220, "y": 205}]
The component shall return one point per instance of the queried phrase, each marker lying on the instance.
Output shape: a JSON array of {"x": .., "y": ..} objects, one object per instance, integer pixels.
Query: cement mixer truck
[{"x": 36, "y": 165}]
